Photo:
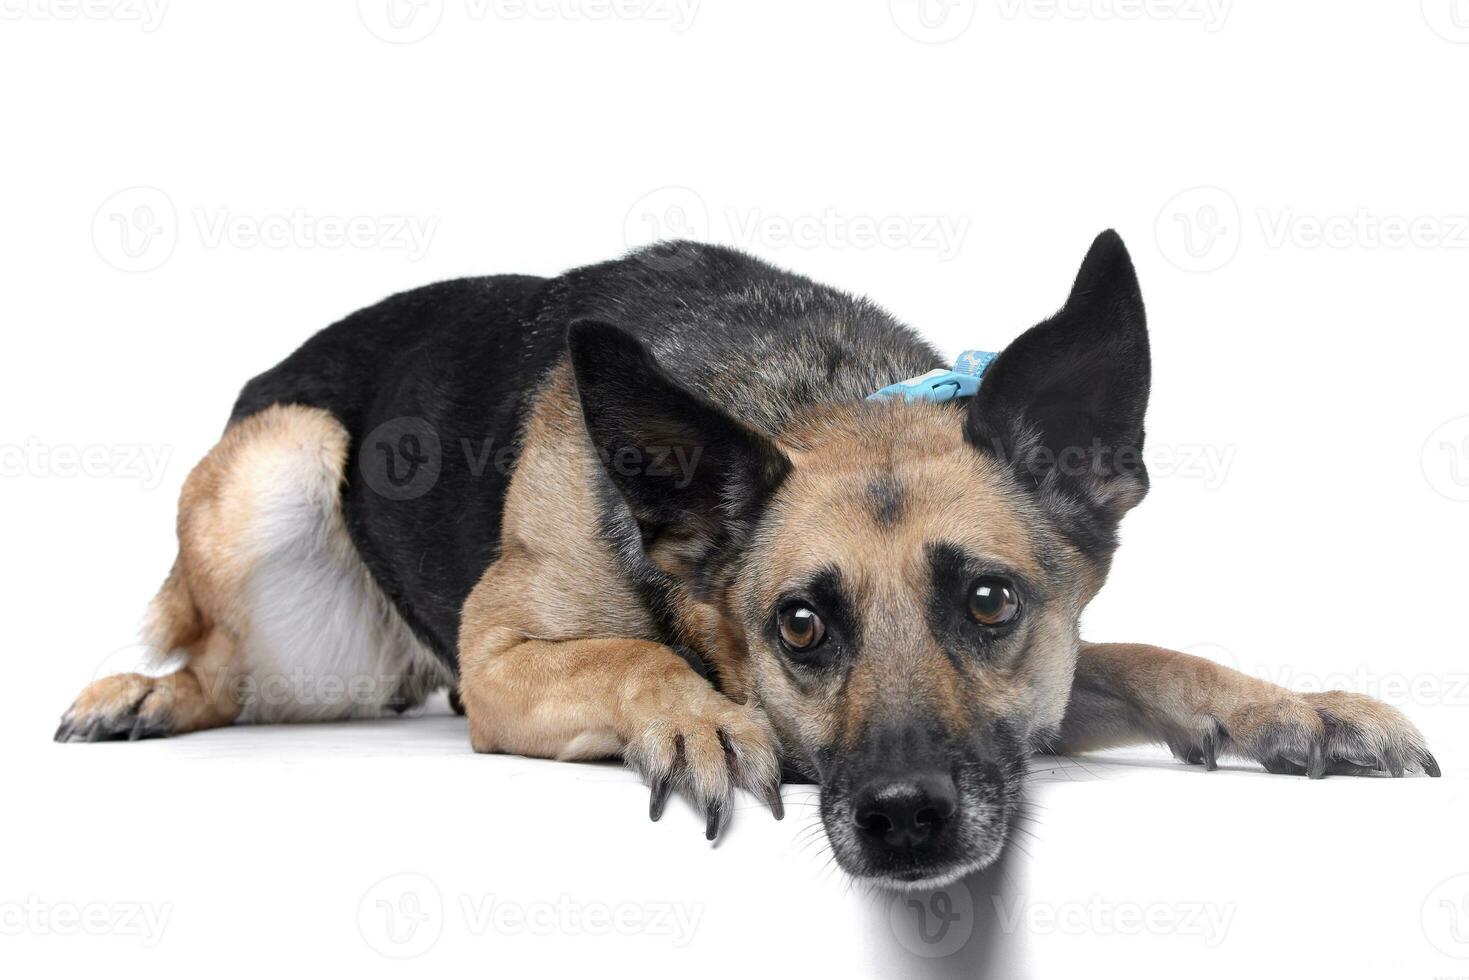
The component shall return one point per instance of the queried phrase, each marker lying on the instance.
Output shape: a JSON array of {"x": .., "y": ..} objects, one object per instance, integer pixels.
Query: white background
[{"x": 1290, "y": 179}]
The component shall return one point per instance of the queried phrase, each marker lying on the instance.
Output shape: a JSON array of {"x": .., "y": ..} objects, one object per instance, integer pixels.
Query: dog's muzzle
[{"x": 911, "y": 806}]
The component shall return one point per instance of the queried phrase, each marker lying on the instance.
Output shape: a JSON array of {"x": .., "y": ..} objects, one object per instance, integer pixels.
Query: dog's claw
[
  {"x": 773, "y": 800},
  {"x": 1430, "y": 765},
  {"x": 1316, "y": 765},
  {"x": 716, "y": 814},
  {"x": 1205, "y": 754},
  {"x": 661, "y": 788}
]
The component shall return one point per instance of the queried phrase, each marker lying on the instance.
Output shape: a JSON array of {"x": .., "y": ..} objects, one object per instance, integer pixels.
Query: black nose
[{"x": 905, "y": 811}]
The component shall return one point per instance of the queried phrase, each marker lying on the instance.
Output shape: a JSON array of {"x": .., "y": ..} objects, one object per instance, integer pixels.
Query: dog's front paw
[
  {"x": 1334, "y": 732},
  {"x": 1365, "y": 735},
  {"x": 706, "y": 745}
]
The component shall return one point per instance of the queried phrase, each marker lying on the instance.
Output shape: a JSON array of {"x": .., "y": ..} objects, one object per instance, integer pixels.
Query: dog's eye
[
  {"x": 801, "y": 630},
  {"x": 993, "y": 602}
]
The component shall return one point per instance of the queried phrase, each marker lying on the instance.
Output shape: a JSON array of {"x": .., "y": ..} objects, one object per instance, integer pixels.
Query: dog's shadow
[{"x": 958, "y": 931}]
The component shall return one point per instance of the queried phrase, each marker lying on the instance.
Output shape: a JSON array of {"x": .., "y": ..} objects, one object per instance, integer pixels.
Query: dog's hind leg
[
  {"x": 1127, "y": 693},
  {"x": 268, "y": 606}
]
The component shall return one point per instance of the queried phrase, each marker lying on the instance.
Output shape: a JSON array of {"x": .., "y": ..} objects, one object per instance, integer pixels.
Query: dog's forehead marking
[
  {"x": 885, "y": 499},
  {"x": 875, "y": 497}
]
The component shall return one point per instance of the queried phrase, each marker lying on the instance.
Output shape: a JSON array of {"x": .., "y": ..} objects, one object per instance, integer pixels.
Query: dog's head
[{"x": 903, "y": 580}]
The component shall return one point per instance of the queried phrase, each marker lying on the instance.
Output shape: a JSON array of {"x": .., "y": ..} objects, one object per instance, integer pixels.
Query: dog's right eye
[{"x": 801, "y": 629}]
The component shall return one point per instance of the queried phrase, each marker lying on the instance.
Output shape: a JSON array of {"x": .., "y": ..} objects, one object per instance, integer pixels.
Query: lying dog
[{"x": 695, "y": 541}]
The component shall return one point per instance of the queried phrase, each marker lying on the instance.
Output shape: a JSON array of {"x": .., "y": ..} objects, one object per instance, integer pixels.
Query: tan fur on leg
[{"x": 1128, "y": 693}]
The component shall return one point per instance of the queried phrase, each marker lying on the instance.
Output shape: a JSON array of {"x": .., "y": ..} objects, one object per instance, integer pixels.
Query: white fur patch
[{"x": 323, "y": 642}]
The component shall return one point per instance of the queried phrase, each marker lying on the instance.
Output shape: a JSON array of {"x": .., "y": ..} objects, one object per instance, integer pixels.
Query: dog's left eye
[{"x": 993, "y": 602}]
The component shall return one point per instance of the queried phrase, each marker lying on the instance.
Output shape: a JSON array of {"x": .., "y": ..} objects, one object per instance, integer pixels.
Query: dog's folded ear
[
  {"x": 1064, "y": 403},
  {"x": 687, "y": 470}
]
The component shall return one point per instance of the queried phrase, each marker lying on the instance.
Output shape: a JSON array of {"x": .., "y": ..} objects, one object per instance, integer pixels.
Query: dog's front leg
[
  {"x": 596, "y": 698},
  {"x": 1129, "y": 693}
]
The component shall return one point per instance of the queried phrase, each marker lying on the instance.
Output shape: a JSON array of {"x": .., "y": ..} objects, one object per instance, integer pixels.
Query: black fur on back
[{"x": 467, "y": 358}]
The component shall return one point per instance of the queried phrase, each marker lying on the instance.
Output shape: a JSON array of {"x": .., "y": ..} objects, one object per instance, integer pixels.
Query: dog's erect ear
[
  {"x": 687, "y": 470},
  {"x": 1064, "y": 403}
]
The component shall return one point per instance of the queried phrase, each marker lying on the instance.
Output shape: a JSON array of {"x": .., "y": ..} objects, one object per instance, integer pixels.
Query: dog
[{"x": 651, "y": 509}]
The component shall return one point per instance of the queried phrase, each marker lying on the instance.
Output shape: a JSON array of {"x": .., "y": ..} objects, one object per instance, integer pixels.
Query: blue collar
[{"x": 939, "y": 385}]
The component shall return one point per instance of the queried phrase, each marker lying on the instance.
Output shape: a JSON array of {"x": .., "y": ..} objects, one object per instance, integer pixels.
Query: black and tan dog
[{"x": 691, "y": 540}]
